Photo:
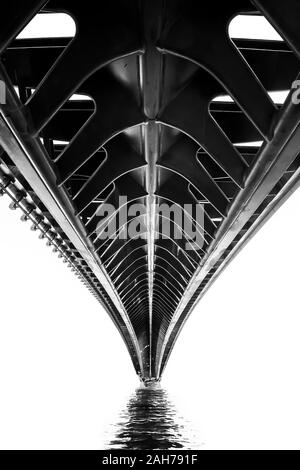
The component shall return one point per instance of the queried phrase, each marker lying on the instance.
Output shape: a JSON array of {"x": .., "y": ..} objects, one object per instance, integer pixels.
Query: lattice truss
[{"x": 130, "y": 106}]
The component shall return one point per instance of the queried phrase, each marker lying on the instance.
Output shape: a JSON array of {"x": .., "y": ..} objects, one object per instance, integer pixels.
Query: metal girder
[
  {"x": 98, "y": 41},
  {"x": 112, "y": 100},
  {"x": 217, "y": 54},
  {"x": 194, "y": 172},
  {"x": 285, "y": 17},
  {"x": 15, "y": 16}
]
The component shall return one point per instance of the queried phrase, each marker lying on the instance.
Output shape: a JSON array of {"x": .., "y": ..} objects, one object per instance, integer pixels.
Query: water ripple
[{"x": 150, "y": 421}]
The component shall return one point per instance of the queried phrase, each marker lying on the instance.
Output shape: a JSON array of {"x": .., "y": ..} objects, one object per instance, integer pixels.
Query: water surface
[{"x": 151, "y": 421}]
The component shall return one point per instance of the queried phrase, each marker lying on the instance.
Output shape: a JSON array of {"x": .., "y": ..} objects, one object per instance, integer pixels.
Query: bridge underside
[{"x": 125, "y": 113}]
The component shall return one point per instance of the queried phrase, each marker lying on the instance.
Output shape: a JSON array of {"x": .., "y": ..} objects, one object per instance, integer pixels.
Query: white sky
[
  {"x": 252, "y": 27},
  {"x": 278, "y": 97},
  {"x": 49, "y": 25}
]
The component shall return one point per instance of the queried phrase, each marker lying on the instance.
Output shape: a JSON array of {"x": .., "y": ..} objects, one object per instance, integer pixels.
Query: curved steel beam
[{"x": 113, "y": 28}]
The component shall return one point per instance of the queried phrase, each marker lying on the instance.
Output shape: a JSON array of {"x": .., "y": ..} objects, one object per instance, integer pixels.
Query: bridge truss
[{"x": 127, "y": 107}]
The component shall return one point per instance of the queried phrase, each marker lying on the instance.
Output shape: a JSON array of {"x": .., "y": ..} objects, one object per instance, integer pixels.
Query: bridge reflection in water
[{"x": 151, "y": 421}]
